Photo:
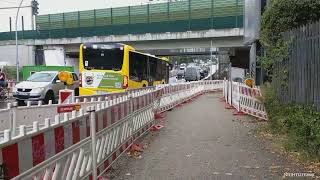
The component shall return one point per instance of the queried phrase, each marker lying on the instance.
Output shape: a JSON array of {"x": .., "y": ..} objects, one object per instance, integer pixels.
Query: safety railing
[
  {"x": 115, "y": 121},
  {"x": 14, "y": 116},
  {"x": 244, "y": 99}
]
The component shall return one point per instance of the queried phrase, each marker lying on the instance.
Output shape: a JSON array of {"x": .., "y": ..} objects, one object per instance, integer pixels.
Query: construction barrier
[
  {"x": 244, "y": 99},
  {"x": 14, "y": 116},
  {"x": 85, "y": 143},
  {"x": 110, "y": 127},
  {"x": 173, "y": 95}
]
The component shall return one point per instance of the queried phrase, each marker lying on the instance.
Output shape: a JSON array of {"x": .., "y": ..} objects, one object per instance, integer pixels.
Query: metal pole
[
  {"x": 93, "y": 141},
  {"x": 32, "y": 20},
  {"x": 17, "y": 49},
  {"x": 10, "y": 24},
  {"x": 211, "y": 58}
]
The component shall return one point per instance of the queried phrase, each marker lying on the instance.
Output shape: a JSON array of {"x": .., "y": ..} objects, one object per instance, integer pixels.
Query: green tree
[{"x": 281, "y": 16}]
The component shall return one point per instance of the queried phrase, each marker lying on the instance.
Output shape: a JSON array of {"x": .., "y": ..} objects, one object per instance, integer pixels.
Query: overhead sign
[{"x": 68, "y": 108}]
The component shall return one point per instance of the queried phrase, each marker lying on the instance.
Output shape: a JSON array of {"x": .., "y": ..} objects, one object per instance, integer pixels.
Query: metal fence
[
  {"x": 178, "y": 16},
  {"x": 296, "y": 78}
]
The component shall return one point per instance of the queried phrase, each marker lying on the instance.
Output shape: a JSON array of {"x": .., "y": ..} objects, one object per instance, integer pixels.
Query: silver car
[{"x": 44, "y": 85}]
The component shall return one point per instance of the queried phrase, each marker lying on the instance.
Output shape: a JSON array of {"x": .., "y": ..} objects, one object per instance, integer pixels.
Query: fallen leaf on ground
[
  {"x": 274, "y": 167},
  {"x": 188, "y": 155}
]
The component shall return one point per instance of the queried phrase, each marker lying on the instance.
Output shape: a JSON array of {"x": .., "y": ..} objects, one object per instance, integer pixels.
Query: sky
[{"x": 56, "y": 6}]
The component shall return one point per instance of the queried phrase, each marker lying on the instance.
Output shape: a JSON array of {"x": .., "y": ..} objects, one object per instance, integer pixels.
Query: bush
[
  {"x": 281, "y": 16},
  {"x": 301, "y": 124},
  {"x": 10, "y": 72}
]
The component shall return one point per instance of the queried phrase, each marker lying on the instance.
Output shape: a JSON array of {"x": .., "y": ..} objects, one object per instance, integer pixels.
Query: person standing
[{"x": 2, "y": 78}]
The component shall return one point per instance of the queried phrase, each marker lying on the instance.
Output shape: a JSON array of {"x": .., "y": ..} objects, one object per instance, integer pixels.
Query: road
[{"x": 202, "y": 140}]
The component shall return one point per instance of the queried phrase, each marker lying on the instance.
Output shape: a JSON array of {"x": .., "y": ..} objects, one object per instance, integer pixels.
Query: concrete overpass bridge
[{"x": 157, "y": 27}]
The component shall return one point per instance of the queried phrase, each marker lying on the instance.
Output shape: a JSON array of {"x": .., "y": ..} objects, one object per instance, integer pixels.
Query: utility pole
[{"x": 17, "y": 49}]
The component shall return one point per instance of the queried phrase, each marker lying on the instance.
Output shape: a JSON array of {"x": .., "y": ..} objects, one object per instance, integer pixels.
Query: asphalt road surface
[{"x": 203, "y": 141}]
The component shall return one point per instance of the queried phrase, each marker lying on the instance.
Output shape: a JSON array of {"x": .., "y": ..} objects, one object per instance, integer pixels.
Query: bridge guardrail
[{"x": 63, "y": 148}]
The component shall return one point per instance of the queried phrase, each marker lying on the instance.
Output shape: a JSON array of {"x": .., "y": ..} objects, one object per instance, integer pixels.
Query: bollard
[
  {"x": 50, "y": 102},
  {"x": 91, "y": 110}
]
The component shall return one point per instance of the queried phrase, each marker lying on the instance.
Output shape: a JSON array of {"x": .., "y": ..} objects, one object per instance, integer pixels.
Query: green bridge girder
[{"x": 189, "y": 15}]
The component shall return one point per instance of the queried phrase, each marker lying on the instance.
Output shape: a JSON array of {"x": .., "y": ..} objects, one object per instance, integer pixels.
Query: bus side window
[{"x": 137, "y": 66}]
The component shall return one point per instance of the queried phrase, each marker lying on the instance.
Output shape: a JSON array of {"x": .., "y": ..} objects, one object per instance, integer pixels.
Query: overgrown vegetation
[
  {"x": 299, "y": 123},
  {"x": 10, "y": 72},
  {"x": 281, "y": 16}
]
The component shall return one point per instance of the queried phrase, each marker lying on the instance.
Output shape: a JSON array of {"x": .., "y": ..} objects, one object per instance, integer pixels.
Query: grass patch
[{"x": 297, "y": 125}]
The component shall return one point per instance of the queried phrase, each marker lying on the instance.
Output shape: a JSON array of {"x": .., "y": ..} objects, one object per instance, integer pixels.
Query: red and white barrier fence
[
  {"x": 113, "y": 124},
  {"x": 243, "y": 99}
]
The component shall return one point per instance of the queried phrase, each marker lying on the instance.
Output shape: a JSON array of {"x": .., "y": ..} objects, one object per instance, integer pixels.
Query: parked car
[
  {"x": 44, "y": 85},
  {"x": 192, "y": 74}
]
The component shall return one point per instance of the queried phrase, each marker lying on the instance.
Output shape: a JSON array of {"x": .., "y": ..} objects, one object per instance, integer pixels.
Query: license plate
[{"x": 23, "y": 93}]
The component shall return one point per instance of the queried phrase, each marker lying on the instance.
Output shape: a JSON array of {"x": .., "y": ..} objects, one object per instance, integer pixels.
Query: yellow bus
[{"x": 116, "y": 67}]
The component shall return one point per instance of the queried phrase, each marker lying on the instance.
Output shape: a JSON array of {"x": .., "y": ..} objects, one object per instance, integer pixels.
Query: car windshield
[{"x": 41, "y": 77}]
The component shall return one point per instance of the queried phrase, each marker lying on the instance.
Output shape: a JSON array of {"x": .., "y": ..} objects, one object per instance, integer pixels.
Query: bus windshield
[{"x": 103, "y": 59}]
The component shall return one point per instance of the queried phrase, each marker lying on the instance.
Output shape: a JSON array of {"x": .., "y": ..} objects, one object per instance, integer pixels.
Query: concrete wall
[
  {"x": 8, "y": 55},
  {"x": 73, "y": 62},
  {"x": 54, "y": 55}
]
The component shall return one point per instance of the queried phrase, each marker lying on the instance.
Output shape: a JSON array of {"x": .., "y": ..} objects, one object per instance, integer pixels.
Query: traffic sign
[{"x": 66, "y": 95}]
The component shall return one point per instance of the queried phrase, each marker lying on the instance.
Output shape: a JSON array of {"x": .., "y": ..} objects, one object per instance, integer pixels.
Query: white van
[{"x": 192, "y": 74}]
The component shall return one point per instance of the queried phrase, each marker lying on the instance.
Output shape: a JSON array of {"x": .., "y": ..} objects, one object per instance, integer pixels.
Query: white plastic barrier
[
  {"x": 26, "y": 115},
  {"x": 173, "y": 95},
  {"x": 236, "y": 95},
  {"x": 243, "y": 98},
  {"x": 109, "y": 128}
]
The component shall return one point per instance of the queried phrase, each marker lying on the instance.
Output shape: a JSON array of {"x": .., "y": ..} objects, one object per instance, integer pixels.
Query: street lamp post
[{"x": 17, "y": 49}]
